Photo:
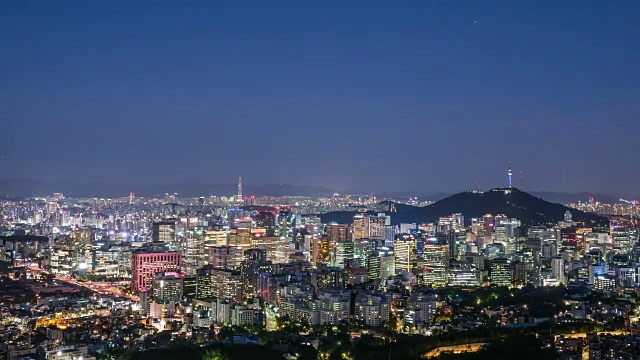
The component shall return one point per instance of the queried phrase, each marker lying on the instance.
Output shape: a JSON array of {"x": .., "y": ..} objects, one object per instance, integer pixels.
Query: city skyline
[{"x": 418, "y": 97}]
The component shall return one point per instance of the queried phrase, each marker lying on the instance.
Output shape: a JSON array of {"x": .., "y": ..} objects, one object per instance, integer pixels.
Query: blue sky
[{"x": 375, "y": 95}]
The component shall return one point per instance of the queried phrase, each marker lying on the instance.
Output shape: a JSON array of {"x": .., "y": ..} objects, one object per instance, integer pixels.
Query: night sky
[{"x": 376, "y": 95}]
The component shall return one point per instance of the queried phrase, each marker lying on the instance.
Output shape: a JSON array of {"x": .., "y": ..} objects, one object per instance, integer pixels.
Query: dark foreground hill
[{"x": 514, "y": 203}]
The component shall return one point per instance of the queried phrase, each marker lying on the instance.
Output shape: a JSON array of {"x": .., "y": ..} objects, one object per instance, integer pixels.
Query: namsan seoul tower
[{"x": 509, "y": 172}]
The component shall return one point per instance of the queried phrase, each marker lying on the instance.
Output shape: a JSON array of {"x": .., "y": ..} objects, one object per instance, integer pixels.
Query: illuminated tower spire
[
  {"x": 239, "y": 188},
  {"x": 509, "y": 172}
]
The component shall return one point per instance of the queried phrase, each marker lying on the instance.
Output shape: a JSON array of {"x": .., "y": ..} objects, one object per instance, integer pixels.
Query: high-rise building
[
  {"x": 168, "y": 287},
  {"x": 266, "y": 219},
  {"x": 405, "y": 249},
  {"x": 621, "y": 237},
  {"x": 436, "y": 260},
  {"x": 500, "y": 272},
  {"x": 557, "y": 268},
  {"x": 239, "y": 237},
  {"x": 343, "y": 254},
  {"x": 203, "y": 282},
  {"x": 145, "y": 264},
  {"x": 164, "y": 231},
  {"x": 369, "y": 226},
  {"x": 226, "y": 284},
  {"x": 339, "y": 232},
  {"x": 225, "y": 257}
]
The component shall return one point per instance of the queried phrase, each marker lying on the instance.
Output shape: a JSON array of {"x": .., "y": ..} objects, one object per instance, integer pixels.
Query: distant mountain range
[
  {"x": 32, "y": 187},
  {"x": 529, "y": 209}
]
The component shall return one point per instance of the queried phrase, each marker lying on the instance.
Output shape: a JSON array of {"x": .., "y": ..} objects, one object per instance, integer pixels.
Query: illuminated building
[
  {"x": 215, "y": 237},
  {"x": 146, "y": 264},
  {"x": 69, "y": 353},
  {"x": 519, "y": 274},
  {"x": 225, "y": 257},
  {"x": 266, "y": 219},
  {"x": 557, "y": 268},
  {"x": 405, "y": 249},
  {"x": 284, "y": 223},
  {"x": 164, "y": 231},
  {"x": 339, "y": 232},
  {"x": 436, "y": 260},
  {"x": 203, "y": 282},
  {"x": 343, "y": 254},
  {"x": 500, "y": 272},
  {"x": 240, "y": 237},
  {"x": 226, "y": 284},
  {"x": 194, "y": 251},
  {"x": 369, "y": 226},
  {"x": 621, "y": 237},
  {"x": 372, "y": 308},
  {"x": 168, "y": 287},
  {"x": 321, "y": 251},
  {"x": 463, "y": 274}
]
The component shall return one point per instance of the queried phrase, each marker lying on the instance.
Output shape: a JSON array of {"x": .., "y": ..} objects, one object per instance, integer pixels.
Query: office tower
[
  {"x": 321, "y": 251},
  {"x": 266, "y": 219},
  {"x": 343, "y": 254},
  {"x": 369, "y": 226},
  {"x": 189, "y": 287},
  {"x": 194, "y": 251},
  {"x": 216, "y": 237},
  {"x": 621, "y": 237},
  {"x": 250, "y": 270},
  {"x": 146, "y": 263},
  {"x": 377, "y": 226},
  {"x": 500, "y": 272},
  {"x": 239, "y": 196},
  {"x": 519, "y": 274},
  {"x": 204, "y": 282},
  {"x": 387, "y": 262},
  {"x": 557, "y": 269},
  {"x": 339, "y": 232},
  {"x": 239, "y": 237},
  {"x": 463, "y": 273},
  {"x": 363, "y": 247},
  {"x": 225, "y": 257},
  {"x": 360, "y": 226},
  {"x": 168, "y": 287},
  {"x": 405, "y": 249},
  {"x": 164, "y": 231},
  {"x": 284, "y": 223},
  {"x": 436, "y": 260},
  {"x": 226, "y": 284}
]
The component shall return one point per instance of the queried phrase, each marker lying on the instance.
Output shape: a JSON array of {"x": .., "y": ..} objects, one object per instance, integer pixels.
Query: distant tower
[
  {"x": 239, "y": 188},
  {"x": 510, "y": 172}
]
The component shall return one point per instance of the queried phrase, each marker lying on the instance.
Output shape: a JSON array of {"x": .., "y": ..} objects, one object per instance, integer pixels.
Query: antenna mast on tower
[{"x": 509, "y": 172}]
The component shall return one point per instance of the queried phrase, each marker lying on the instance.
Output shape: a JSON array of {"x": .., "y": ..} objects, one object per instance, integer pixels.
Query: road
[{"x": 456, "y": 349}]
